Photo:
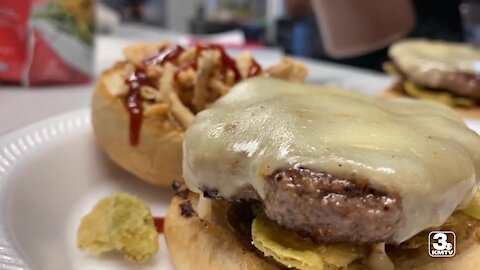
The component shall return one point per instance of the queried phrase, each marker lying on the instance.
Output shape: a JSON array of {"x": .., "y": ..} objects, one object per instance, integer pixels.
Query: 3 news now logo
[{"x": 441, "y": 244}]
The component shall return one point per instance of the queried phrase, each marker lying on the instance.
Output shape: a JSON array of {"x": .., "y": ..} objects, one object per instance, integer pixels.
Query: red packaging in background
[
  {"x": 44, "y": 42},
  {"x": 14, "y": 17}
]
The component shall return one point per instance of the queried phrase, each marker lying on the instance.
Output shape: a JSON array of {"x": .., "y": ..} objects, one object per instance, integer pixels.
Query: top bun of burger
[
  {"x": 156, "y": 157},
  {"x": 142, "y": 105},
  {"x": 317, "y": 177},
  {"x": 446, "y": 72}
]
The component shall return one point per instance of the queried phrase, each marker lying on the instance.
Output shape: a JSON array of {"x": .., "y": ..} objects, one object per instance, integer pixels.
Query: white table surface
[{"x": 22, "y": 106}]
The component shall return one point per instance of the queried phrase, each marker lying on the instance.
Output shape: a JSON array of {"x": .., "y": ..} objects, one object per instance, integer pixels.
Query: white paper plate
[{"x": 51, "y": 174}]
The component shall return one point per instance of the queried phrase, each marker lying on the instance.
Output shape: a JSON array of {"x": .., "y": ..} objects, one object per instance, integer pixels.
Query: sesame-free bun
[
  {"x": 196, "y": 244},
  {"x": 467, "y": 257},
  {"x": 158, "y": 156}
]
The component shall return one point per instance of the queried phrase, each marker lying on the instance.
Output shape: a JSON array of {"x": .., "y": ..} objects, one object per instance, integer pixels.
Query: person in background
[
  {"x": 359, "y": 32},
  {"x": 303, "y": 41}
]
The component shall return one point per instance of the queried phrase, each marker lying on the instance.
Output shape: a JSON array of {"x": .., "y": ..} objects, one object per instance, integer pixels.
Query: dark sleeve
[{"x": 438, "y": 19}]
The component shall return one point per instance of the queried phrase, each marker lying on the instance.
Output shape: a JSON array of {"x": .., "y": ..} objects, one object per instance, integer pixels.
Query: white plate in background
[{"x": 51, "y": 174}]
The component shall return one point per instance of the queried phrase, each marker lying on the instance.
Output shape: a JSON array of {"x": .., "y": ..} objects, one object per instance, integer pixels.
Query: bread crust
[
  {"x": 463, "y": 112},
  {"x": 468, "y": 259},
  {"x": 196, "y": 244},
  {"x": 156, "y": 159}
]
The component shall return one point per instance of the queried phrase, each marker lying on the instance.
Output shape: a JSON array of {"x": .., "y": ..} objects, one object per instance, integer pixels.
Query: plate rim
[{"x": 13, "y": 146}]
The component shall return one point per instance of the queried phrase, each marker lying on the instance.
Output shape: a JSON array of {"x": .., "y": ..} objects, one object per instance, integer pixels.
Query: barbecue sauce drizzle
[
  {"x": 133, "y": 103},
  {"x": 159, "y": 221},
  {"x": 139, "y": 78}
]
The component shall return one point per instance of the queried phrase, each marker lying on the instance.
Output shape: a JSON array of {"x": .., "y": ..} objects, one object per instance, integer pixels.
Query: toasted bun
[
  {"x": 463, "y": 112},
  {"x": 158, "y": 156},
  {"x": 466, "y": 259},
  {"x": 196, "y": 244}
]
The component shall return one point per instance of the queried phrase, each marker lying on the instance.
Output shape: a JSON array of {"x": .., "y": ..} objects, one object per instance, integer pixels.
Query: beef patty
[
  {"x": 465, "y": 85},
  {"x": 460, "y": 84},
  {"x": 325, "y": 208}
]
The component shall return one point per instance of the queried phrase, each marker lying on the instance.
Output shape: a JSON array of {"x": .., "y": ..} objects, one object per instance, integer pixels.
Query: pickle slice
[
  {"x": 119, "y": 222},
  {"x": 443, "y": 97},
  {"x": 292, "y": 250}
]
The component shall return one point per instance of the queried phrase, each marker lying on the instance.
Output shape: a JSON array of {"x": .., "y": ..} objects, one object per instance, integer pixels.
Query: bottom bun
[
  {"x": 466, "y": 259},
  {"x": 463, "y": 112},
  {"x": 196, "y": 244}
]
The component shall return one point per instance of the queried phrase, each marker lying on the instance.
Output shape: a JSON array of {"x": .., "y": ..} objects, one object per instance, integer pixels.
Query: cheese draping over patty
[{"x": 418, "y": 149}]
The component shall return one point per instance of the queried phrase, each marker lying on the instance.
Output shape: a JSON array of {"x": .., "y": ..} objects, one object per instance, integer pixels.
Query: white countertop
[{"x": 22, "y": 106}]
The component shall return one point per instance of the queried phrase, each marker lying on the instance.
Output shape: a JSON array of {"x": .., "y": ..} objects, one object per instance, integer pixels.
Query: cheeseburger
[
  {"x": 285, "y": 175},
  {"x": 446, "y": 72}
]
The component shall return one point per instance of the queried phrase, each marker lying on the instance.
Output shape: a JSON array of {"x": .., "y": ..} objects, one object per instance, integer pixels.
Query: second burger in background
[{"x": 445, "y": 72}]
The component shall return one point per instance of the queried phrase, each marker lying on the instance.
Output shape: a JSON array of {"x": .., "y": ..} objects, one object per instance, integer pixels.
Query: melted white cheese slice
[
  {"x": 419, "y": 149},
  {"x": 426, "y": 62}
]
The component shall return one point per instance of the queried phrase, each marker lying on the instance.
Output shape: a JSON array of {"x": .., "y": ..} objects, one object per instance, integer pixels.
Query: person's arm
[{"x": 353, "y": 27}]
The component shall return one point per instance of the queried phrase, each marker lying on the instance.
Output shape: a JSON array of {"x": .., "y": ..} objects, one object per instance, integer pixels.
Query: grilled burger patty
[
  {"x": 325, "y": 208},
  {"x": 333, "y": 164},
  {"x": 461, "y": 84},
  {"x": 446, "y": 66},
  {"x": 465, "y": 85}
]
